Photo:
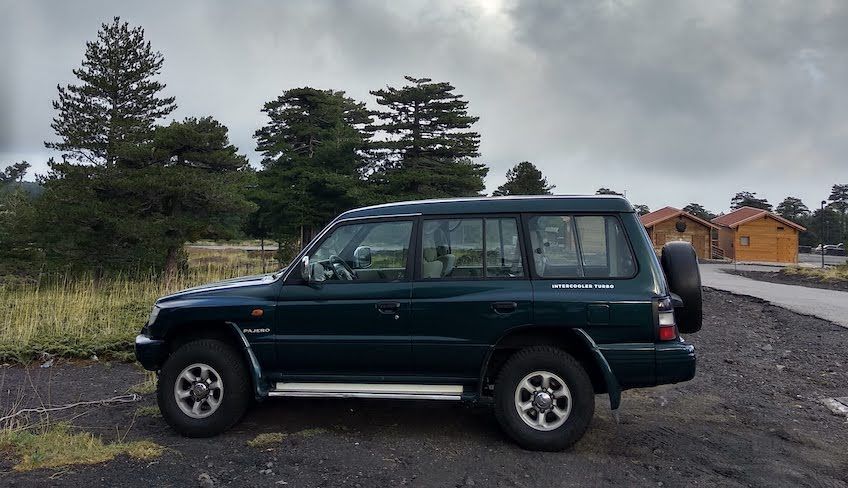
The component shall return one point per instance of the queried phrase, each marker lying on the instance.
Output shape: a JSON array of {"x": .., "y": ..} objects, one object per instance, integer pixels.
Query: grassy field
[
  {"x": 84, "y": 317},
  {"x": 835, "y": 273}
]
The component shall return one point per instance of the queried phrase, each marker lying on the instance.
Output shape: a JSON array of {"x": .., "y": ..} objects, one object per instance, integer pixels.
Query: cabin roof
[
  {"x": 666, "y": 213},
  {"x": 744, "y": 215}
]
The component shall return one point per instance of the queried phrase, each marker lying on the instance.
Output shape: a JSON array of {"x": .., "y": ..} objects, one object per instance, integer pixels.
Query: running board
[{"x": 368, "y": 390}]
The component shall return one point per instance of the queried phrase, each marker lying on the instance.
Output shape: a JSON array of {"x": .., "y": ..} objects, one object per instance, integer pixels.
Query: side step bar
[{"x": 368, "y": 390}]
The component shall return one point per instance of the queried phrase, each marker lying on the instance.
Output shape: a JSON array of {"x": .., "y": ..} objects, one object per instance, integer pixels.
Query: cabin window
[
  {"x": 744, "y": 241},
  {"x": 780, "y": 228}
]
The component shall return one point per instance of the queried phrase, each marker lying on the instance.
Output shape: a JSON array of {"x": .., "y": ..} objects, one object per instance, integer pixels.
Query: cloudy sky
[{"x": 670, "y": 101}]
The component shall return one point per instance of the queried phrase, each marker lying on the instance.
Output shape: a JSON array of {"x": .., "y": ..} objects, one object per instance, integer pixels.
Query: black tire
[
  {"x": 229, "y": 364},
  {"x": 680, "y": 264},
  {"x": 562, "y": 364}
]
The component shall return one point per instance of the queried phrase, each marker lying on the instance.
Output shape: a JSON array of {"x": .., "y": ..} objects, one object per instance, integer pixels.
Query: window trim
[
  {"x": 526, "y": 216},
  {"x": 294, "y": 278},
  {"x": 419, "y": 236}
]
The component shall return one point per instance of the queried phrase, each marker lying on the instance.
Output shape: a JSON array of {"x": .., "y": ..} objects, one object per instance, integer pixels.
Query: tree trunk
[
  {"x": 172, "y": 264},
  {"x": 262, "y": 252}
]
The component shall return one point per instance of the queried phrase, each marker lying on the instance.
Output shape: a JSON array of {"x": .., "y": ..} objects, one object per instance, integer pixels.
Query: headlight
[{"x": 153, "y": 314}]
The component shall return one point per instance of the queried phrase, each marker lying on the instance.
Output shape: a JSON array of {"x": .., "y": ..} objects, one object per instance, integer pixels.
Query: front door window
[{"x": 374, "y": 251}]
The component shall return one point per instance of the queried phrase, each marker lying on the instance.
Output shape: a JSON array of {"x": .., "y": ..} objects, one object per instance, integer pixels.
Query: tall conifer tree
[
  {"x": 524, "y": 179},
  {"x": 117, "y": 101},
  {"x": 424, "y": 146}
]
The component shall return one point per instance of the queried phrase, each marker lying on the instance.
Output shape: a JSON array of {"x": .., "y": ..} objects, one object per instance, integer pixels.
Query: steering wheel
[{"x": 341, "y": 269}]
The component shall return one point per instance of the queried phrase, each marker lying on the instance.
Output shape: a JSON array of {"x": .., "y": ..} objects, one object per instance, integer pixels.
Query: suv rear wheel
[
  {"x": 203, "y": 388},
  {"x": 544, "y": 399}
]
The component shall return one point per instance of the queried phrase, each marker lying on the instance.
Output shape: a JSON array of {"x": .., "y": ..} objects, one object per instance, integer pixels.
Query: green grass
[
  {"x": 84, "y": 317},
  {"x": 58, "y": 446}
]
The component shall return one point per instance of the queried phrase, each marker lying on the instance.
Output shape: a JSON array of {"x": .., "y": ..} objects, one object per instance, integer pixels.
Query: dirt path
[{"x": 751, "y": 417}]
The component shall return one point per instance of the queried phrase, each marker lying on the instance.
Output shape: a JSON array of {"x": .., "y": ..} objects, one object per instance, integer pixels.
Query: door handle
[
  {"x": 504, "y": 307},
  {"x": 388, "y": 308}
]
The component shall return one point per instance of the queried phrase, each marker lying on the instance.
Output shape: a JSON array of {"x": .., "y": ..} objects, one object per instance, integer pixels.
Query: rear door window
[
  {"x": 471, "y": 248},
  {"x": 583, "y": 246}
]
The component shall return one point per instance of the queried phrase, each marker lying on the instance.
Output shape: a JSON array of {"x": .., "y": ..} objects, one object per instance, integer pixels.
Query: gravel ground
[
  {"x": 792, "y": 279},
  {"x": 751, "y": 417}
]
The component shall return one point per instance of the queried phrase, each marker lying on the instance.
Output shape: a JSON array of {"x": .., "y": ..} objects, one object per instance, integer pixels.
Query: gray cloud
[{"x": 672, "y": 101}]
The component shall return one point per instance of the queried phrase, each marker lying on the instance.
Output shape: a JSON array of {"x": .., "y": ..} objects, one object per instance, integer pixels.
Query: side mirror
[
  {"x": 362, "y": 257},
  {"x": 312, "y": 272}
]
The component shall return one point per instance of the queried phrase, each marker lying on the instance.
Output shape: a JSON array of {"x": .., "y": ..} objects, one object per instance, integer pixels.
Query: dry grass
[
  {"x": 266, "y": 440},
  {"x": 270, "y": 439},
  {"x": 80, "y": 318},
  {"x": 835, "y": 273},
  {"x": 149, "y": 411},
  {"x": 146, "y": 387},
  {"x": 58, "y": 446}
]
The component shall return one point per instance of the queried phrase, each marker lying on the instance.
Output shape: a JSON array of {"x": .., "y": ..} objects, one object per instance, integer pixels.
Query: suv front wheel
[
  {"x": 544, "y": 399},
  {"x": 203, "y": 388}
]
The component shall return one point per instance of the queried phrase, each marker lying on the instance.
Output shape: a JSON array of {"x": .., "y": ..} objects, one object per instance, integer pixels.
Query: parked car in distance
[
  {"x": 530, "y": 304},
  {"x": 835, "y": 249}
]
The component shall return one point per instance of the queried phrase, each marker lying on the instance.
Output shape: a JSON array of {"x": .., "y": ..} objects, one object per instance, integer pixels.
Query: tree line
[{"x": 129, "y": 192}]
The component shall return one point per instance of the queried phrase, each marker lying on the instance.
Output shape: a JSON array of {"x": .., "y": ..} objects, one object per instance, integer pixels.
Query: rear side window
[
  {"x": 470, "y": 248},
  {"x": 584, "y": 246}
]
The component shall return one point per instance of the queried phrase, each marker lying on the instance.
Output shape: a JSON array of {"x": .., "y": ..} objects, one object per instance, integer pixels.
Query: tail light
[{"x": 666, "y": 328}]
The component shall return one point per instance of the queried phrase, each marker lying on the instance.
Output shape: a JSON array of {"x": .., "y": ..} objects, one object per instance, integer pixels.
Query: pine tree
[
  {"x": 313, "y": 159},
  {"x": 793, "y": 209},
  {"x": 187, "y": 183},
  {"x": 699, "y": 211},
  {"x": 839, "y": 202},
  {"x": 14, "y": 172},
  {"x": 524, "y": 179},
  {"x": 117, "y": 101},
  {"x": 749, "y": 199},
  {"x": 641, "y": 209},
  {"x": 424, "y": 146}
]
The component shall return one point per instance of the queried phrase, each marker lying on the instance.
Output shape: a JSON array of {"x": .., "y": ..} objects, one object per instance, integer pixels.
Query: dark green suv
[{"x": 531, "y": 304}]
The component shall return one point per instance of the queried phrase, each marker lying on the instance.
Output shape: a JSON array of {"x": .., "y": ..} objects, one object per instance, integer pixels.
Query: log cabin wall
[
  {"x": 767, "y": 240},
  {"x": 696, "y": 233},
  {"x": 726, "y": 237}
]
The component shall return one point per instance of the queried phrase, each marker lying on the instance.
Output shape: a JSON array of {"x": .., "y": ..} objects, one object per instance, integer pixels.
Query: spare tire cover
[{"x": 680, "y": 265}]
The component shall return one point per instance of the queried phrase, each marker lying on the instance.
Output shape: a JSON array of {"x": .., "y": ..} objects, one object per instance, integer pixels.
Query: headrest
[{"x": 429, "y": 254}]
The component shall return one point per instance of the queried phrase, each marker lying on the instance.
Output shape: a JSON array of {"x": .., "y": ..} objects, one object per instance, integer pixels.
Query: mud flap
[
  {"x": 613, "y": 388},
  {"x": 255, "y": 371}
]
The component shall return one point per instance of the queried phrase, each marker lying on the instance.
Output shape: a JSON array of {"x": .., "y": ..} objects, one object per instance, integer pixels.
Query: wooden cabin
[
  {"x": 753, "y": 234},
  {"x": 672, "y": 224}
]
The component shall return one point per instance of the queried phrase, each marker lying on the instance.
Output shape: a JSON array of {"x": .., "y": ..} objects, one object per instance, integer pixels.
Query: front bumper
[{"x": 150, "y": 352}]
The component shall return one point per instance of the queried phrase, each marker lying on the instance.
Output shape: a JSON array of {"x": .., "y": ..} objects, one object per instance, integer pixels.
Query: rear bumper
[
  {"x": 675, "y": 362},
  {"x": 644, "y": 364},
  {"x": 149, "y": 352}
]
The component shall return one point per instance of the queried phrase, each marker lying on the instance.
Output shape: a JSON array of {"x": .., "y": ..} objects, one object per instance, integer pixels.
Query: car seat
[
  {"x": 443, "y": 253},
  {"x": 430, "y": 266}
]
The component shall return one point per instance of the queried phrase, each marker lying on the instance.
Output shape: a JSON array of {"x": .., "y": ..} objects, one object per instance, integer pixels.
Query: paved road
[{"x": 826, "y": 304}]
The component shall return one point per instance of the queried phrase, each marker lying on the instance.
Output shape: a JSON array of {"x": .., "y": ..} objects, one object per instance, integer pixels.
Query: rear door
[
  {"x": 583, "y": 271},
  {"x": 471, "y": 286}
]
